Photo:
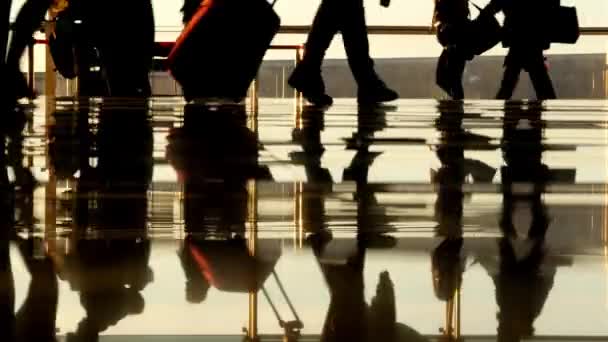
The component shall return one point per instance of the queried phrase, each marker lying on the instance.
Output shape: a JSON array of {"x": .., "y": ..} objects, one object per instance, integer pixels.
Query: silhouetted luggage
[
  {"x": 220, "y": 51},
  {"x": 62, "y": 44},
  {"x": 486, "y": 33},
  {"x": 563, "y": 25}
]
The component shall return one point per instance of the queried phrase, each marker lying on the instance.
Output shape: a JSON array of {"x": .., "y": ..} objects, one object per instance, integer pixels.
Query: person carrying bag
[{"x": 462, "y": 39}]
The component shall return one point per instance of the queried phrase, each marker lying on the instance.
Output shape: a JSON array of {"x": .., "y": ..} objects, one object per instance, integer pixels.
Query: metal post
[
  {"x": 30, "y": 65},
  {"x": 50, "y": 78},
  {"x": 50, "y": 81},
  {"x": 252, "y": 237},
  {"x": 252, "y": 329},
  {"x": 299, "y": 56}
]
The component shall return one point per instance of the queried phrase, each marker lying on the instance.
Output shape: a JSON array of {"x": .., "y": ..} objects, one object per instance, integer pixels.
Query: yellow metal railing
[{"x": 50, "y": 77}]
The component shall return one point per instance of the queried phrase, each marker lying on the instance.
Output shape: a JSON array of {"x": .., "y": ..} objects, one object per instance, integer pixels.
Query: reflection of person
[
  {"x": 319, "y": 180},
  {"x": 448, "y": 259},
  {"x": 109, "y": 273},
  {"x": 372, "y": 221},
  {"x": 348, "y": 18},
  {"x": 525, "y": 35},
  {"x": 522, "y": 284},
  {"x": 347, "y": 313},
  {"x": 36, "y": 318}
]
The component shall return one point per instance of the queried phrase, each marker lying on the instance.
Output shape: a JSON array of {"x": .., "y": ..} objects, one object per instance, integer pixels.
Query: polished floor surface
[{"x": 418, "y": 221}]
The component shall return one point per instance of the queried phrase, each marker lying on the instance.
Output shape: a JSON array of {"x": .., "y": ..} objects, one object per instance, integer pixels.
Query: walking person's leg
[
  {"x": 307, "y": 77},
  {"x": 356, "y": 43},
  {"x": 512, "y": 69},
  {"x": 540, "y": 77},
  {"x": 458, "y": 64}
]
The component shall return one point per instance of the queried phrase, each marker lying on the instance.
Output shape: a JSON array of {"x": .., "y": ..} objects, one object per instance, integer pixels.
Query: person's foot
[
  {"x": 20, "y": 88},
  {"x": 311, "y": 85},
  {"x": 377, "y": 93}
]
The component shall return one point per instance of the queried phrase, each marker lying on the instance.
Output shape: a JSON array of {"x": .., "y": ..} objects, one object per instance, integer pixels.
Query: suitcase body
[{"x": 220, "y": 51}]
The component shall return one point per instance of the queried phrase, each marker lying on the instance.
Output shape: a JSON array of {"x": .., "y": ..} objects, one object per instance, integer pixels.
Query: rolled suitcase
[{"x": 220, "y": 50}]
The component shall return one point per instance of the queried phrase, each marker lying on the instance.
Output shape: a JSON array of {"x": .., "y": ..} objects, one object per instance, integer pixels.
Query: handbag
[
  {"x": 485, "y": 32},
  {"x": 62, "y": 44},
  {"x": 563, "y": 25}
]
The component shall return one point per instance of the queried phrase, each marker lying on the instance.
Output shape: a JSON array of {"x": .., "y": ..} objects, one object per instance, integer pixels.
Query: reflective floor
[{"x": 419, "y": 221}]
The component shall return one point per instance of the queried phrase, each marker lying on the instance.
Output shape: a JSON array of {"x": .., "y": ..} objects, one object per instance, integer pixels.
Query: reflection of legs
[
  {"x": 36, "y": 317},
  {"x": 346, "y": 315},
  {"x": 540, "y": 77}
]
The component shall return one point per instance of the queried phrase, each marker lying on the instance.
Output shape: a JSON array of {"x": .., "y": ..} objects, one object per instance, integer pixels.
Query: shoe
[
  {"x": 21, "y": 89},
  {"x": 311, "y": 85},
  {"x": 376, "y": 94}
]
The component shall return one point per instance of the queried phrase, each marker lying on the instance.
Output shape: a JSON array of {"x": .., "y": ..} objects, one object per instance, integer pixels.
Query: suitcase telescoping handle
[{"x": 290, "y": 327}]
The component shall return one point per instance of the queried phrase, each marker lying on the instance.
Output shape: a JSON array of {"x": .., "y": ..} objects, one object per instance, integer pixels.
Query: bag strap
[{"x": 471, "y": 2}]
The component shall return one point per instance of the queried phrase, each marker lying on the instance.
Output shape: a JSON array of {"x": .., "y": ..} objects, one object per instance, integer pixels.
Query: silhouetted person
[
  {"x": 451, "y": 17},
  {"x": 347, "y": 18},
  {"x": 525, "y": 34},
  {"x": 522, "y": 287}
]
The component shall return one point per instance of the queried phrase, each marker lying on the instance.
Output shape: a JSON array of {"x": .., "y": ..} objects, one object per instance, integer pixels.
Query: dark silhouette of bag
[
  {"x": 563, "y": 26},
  {"x": 486, "y": 33},
  {"x": 219, "y": 52},
  {"x": 62, "y": 44}
]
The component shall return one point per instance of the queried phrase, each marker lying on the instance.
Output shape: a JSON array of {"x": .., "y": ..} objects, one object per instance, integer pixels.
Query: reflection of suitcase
[
  {"x": 228, "y": 266},
  {"x": 220, "y": 51}
]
